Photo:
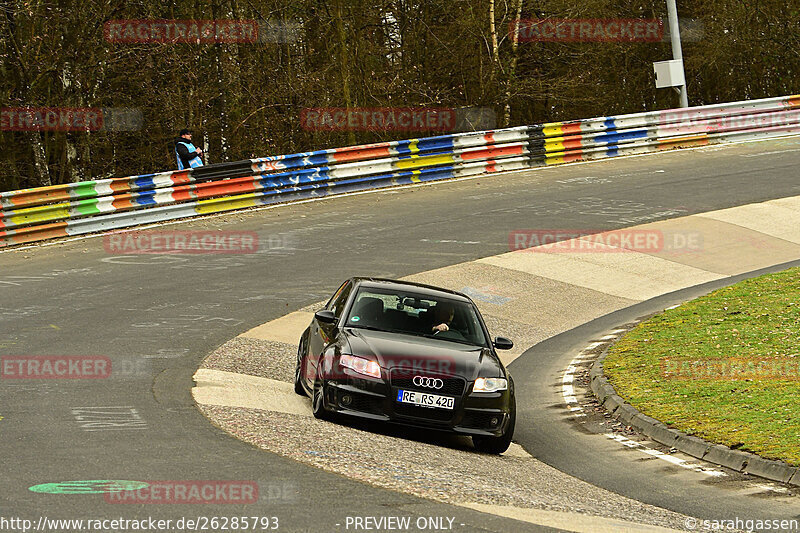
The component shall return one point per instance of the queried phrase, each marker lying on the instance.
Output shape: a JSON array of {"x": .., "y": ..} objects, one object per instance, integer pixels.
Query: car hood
[{"x": 422, "y": 354}]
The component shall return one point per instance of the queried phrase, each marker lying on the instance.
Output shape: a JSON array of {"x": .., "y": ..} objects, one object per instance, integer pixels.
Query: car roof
[{"x": 421, "y": 288}]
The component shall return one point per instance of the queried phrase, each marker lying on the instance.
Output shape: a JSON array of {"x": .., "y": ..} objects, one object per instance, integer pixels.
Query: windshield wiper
[
  {"x": 468, "y": 343},
  {"x": 374, "y": 328},
  {"x": 371, "y": 328}
]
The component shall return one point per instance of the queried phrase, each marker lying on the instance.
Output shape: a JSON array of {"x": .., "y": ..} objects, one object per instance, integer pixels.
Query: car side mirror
[
  {"x": 501, "y": 343},
  {"x": 325, "y": 316}
]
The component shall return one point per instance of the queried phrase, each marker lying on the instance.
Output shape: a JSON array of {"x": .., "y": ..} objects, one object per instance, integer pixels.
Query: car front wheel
[
  {"x": 298, "y": 372},
  {"x": 318, "y": 400}
]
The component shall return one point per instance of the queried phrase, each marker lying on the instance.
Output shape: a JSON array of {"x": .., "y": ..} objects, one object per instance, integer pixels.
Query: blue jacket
[{"x": 186, "y": 155}]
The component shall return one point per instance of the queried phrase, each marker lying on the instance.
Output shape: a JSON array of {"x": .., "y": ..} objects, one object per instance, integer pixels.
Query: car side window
[{"x": 340, "y": 299}]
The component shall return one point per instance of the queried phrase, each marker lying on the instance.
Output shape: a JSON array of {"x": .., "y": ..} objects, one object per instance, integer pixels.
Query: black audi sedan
[{"x": 410, "y": 354}]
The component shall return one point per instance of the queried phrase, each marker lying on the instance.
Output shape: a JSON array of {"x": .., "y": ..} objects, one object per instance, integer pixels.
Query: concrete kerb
[
  {"x": 692, "y": 445},
  {"x": 661, "y": 433},
  {"x": 758, "y": 466},
  {"x": 612, "y": 402},
  {"x": 733, "y": 459},
  {"x": 744, "y": 462},
  {"x": 625, "y": 413}
]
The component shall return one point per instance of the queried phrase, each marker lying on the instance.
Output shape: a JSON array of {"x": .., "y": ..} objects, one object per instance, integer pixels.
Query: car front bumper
[{"x": 473, "y": 414}]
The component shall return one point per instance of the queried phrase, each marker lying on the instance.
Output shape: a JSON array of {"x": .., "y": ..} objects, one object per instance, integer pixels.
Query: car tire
[
  {"x": 298, "y": 372},
  {"x": 318, "y": 399},
  {"x": 496, "y": 445}
]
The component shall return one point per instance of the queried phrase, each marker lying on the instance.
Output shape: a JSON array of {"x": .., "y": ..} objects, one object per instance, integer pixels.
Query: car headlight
[
  {"x": 361, "y": 365},
  {"x": 490, "y": 384}
]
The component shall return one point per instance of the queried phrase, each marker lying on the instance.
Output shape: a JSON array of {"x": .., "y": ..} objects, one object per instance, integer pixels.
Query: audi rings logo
[{"x": 430, "y": 383}]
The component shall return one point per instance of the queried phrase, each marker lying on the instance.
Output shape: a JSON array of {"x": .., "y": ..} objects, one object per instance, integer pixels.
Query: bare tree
[{"x": 246, "y": 98}]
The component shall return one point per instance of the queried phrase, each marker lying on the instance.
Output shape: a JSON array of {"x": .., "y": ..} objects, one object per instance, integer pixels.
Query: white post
[{"x": 677, "y": 51}]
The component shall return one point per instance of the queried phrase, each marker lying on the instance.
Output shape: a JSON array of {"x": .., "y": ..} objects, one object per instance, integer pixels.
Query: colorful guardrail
[{"x": 37, "y": 214}]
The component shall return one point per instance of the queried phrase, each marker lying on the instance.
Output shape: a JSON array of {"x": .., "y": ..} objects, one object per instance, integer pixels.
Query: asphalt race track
[{"x": 157, "y": 317}]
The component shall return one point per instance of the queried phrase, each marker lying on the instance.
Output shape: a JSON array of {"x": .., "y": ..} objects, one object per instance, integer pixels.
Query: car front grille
[{"x": 452, "y": 386}]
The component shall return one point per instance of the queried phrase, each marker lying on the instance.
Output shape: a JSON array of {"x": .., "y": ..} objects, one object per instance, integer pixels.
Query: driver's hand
[{"x": 441, "y": 327}]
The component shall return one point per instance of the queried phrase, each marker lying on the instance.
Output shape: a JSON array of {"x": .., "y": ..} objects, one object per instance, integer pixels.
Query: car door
[{"x": 323, "y": 334}]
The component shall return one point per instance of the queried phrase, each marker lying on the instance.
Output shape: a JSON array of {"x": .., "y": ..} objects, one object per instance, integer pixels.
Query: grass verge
[{"x": 724, "y": 367}]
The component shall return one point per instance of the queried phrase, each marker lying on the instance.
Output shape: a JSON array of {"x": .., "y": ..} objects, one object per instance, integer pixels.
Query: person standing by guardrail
[{"x": 186, "y": 153}]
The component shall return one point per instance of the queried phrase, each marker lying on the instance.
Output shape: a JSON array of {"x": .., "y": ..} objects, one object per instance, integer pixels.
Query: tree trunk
[
  {"x": 222, "y": 100},
  {"x": 34, "y": 138},
  {"x": 39, "y": 159},
  {"x": 493, "y": 36},
  {"x": 343, "y": 61},
  {"x": 506, "y": 120}
]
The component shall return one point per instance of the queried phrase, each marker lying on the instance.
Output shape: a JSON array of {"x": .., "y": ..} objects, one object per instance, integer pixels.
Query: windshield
[{"x": 416, "y": 314}]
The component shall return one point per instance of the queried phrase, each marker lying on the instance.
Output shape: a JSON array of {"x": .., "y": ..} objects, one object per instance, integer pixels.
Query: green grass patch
[{"x": 724, "y": 367}]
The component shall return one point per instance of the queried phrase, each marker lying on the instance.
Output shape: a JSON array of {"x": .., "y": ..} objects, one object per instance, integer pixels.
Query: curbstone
[
  {"x": 612, "y": 402},
  {"x": 692, "y": 445},
  {"x": 722, "y": 455},
  {"x": 643, "y": 423},
  {"x": 795, "y": 479},
  {"x": 625, "y": 413},
  {"x": 596, "y": 371},
  {"x": 607, "y": 390},
  {"x": 774, "y": 470},
  {"x": 597, "y": 385},
  {"x": 663, "y": 434}
]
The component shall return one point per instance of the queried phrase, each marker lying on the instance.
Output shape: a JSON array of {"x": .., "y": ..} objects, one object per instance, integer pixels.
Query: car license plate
[{"x": 423, "y": 399}]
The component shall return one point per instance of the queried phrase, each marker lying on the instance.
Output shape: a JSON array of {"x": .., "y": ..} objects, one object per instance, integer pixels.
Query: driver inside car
[{"x": 443, "y": 315}]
